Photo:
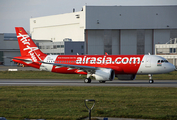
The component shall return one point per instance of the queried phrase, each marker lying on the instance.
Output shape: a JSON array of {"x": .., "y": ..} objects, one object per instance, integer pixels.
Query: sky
[{"x": 17, "y": 13}]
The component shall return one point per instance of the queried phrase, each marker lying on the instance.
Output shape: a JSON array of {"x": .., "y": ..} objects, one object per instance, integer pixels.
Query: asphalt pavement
[{"x": 118, "y": 83}]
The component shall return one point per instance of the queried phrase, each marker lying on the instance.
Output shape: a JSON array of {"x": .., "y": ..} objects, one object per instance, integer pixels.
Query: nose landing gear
[{"x": 150, "y": 79}]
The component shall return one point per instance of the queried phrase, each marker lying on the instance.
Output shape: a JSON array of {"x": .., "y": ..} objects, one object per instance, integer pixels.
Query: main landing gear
[
  {"x": 150, "y": 79},
  {"x": 102, "y": 81},
  {"x": 87, "y": 80}
]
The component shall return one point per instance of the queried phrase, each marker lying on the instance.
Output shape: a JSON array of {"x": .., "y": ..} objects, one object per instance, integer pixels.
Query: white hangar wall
[{"x": 58, "y": 27}]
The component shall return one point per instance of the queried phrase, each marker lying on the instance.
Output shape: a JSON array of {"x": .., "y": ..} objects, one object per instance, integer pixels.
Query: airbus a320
[{"x": 102, "y": 67}]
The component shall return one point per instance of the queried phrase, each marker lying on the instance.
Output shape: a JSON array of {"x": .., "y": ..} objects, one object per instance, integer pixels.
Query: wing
[
  {"x": 25, "y": 60},
  {"x": 70, "y": 67}
]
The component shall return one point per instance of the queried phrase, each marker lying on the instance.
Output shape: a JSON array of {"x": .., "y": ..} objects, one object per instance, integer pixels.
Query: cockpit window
[
  {"x": 166, "y": 61},
  {"x": 162, "y": 61}
]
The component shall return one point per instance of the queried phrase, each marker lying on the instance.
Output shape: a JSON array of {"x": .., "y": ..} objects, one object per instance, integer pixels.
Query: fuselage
[{"x": 121, "y": 64}]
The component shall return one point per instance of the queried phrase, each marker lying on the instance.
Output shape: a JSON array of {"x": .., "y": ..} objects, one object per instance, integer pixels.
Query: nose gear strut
[{"x": 150, "y": 79}]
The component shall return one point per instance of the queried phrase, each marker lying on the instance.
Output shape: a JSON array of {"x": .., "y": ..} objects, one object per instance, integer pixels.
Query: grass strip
[
  {"x": 50, "y": 75},
  {"x": 18, "y": 102}
]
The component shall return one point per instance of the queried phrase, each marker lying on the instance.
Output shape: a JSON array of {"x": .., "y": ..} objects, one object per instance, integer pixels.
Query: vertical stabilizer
[{"x": 26, "y": 44}]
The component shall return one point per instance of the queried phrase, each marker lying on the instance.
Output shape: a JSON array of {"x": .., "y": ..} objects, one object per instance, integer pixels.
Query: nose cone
[
  {"x": 174, "y": 68},
  {"x": 171, "y": 67}
]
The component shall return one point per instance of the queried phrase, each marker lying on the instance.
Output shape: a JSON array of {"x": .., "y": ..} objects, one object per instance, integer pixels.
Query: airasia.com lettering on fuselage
[
  {"x": 26, "y": 42},
  {"x": 107, "y": 60}
]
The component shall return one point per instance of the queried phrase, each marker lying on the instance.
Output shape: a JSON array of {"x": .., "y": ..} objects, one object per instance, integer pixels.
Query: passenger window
[{"x": 158, "y": 61}]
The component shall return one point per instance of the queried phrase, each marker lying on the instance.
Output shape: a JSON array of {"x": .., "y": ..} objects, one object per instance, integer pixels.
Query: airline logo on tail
[
  {"x": 25, "y": 39},
  {"x": 31, "y": 52}
]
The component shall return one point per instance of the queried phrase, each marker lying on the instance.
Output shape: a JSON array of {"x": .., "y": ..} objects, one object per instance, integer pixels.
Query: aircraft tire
[
  {"x": 87, "y": 80},
  {"x": 102, "y": 81},
  {"x": 151, "y": 81}
]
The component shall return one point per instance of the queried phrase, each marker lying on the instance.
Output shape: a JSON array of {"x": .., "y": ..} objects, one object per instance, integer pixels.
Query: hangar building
[
  {"x": 111, "y": 29},
  {"x": 9, "y": 47},
  {"x": 100, "y": 29}
]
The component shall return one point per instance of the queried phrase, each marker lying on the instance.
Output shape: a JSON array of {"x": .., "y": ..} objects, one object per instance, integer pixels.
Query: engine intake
[{"x": 104, "y": 74}]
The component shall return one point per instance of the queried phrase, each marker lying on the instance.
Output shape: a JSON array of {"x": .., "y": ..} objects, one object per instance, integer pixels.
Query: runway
[{"x": 47, "y": 82}]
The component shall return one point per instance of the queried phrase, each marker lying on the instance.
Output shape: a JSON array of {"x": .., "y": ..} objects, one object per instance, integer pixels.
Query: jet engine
[
  {"x": 126, "y": 77},
  {"x": 104, "y": 75}
]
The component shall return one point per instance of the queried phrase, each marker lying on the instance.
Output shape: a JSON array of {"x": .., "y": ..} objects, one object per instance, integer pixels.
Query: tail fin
[{"x": 26, "y": 44}]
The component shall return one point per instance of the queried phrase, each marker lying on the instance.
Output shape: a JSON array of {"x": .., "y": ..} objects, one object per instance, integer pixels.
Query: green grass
[
  {"x": 167, "y": 76},
  {"x": 50, "y": 75},
  {"x": 37, "y": 75},
  {"x": 68, "y": 102}
]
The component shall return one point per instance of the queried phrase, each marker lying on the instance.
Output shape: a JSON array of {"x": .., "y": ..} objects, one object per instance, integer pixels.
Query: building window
[
  {"x": 172, "y": 50},
  {"x": 54, "y": 47},
  {"x": 62, "y": 46},
  {"x": 47, "y": 47},
  {"x": 71, "y": 50},
  {"x": 42, "y": 47}
]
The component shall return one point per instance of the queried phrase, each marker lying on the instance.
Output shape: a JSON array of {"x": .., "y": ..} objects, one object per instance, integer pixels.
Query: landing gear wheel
[
  {"x": 151, "y": 81},
  {"x": 102, "y": 81},
  {"x": 87, "y": 80}
]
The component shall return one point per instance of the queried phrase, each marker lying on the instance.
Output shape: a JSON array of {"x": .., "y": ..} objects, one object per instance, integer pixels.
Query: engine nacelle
[
  {"x": 126, "y": 77},
  {"x": 104, "y": 74}
]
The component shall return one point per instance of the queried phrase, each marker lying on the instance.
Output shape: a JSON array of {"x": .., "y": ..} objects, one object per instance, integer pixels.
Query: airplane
[{"x": 102, "y": 67}]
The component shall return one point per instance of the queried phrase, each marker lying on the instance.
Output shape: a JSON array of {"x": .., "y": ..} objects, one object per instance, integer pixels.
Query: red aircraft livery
[{"x": 102, "y": 67}]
